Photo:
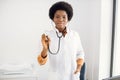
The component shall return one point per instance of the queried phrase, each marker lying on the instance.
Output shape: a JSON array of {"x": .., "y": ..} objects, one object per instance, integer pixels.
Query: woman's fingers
[
  {"x": 76, "y": 71},
  {"x": 45, "y": 40},
  {"x": 48, "y": 39}
]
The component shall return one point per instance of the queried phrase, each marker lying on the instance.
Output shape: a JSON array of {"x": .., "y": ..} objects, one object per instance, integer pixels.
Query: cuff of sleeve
[
  {"x": 42, "y": 60},
  {"x": 80, "y": 54}
]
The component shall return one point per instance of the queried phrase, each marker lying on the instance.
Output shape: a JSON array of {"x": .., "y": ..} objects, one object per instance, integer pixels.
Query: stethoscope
[{"x": 59, "y": 37}]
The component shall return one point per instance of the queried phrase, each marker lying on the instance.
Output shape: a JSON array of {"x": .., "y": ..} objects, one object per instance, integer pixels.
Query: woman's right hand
[{"x": 45, "y": 41}]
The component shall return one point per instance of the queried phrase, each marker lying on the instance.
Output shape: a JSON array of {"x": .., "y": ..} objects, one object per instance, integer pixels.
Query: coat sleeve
[
  {"x": 80, "y": 51},
  {"x": 42, "y": 60}
]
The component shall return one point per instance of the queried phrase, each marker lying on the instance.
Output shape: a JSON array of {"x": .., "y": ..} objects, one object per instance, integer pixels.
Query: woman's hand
[
  {"x": 77, "y": 71},
  {"x": 45, "y": 41},
  {"x": 79, "y": 65}
]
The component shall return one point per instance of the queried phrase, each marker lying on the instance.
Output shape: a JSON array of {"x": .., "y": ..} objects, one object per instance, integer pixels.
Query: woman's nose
[{"x": 60, "y": 19}]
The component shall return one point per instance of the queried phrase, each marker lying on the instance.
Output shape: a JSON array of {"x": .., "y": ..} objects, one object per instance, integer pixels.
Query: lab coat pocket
[{"x": 76, "y": 76}]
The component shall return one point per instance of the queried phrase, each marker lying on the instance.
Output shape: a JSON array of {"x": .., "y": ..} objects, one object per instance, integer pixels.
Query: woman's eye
[
  {"x": 57, "y": 17},
  {"x": 64, "y": 17}
]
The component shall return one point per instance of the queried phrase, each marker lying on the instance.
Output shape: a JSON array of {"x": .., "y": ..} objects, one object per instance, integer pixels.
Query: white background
[{"x": 23, "y": 21}]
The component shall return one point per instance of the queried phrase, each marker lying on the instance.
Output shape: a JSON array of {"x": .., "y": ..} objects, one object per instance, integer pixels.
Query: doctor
[{"x": 61, "y": 46}]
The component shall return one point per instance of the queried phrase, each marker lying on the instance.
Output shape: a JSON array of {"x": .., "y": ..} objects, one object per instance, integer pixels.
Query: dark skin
[{"x": 45, "y": 42}]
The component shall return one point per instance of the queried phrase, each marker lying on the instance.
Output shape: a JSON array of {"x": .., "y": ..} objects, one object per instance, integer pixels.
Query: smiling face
[{"x": 60, "y": 19}]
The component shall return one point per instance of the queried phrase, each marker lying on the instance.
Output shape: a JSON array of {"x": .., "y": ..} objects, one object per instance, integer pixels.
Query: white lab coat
[{"x": 63, "y": 64}]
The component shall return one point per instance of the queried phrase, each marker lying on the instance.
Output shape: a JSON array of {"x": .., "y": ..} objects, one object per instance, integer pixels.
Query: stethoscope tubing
[{"x": 59, "y": 41}]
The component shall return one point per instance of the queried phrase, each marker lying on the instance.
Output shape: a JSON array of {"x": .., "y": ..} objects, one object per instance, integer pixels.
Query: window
[{"x": 116, "y": 58}]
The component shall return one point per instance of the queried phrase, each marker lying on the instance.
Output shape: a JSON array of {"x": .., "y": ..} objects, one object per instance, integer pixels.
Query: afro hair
[{"x": 61, "y": 6}]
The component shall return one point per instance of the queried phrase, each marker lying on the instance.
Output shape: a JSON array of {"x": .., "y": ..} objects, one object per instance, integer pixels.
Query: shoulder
[
  {"x": 47, "y": 32},
  {"x": 73, "y": 32},
  {"x": 50, "y": 33}
]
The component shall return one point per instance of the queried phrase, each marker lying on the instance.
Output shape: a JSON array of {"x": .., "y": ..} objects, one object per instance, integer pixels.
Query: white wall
[{"x": 22, "y": 22}]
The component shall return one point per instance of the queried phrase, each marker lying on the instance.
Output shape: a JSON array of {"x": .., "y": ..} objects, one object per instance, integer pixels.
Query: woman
[{"x": 62, "y": 46}]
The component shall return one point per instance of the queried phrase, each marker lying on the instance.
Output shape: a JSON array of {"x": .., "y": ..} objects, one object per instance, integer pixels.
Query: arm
[
  {"x": 79, "y": 65},
  {"x": 42, "y": 58},
  {"x": 79, "y": 55}
]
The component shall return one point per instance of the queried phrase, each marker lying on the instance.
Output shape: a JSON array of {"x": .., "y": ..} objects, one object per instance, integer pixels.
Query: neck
[{"x": 61, "y": 29}]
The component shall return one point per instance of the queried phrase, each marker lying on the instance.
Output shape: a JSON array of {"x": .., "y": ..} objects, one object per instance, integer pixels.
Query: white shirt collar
[{"x": 59, "y": 32}]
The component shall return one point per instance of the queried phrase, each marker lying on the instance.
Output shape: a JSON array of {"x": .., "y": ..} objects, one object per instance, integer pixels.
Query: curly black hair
[{"x": 61, "y": 6}]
